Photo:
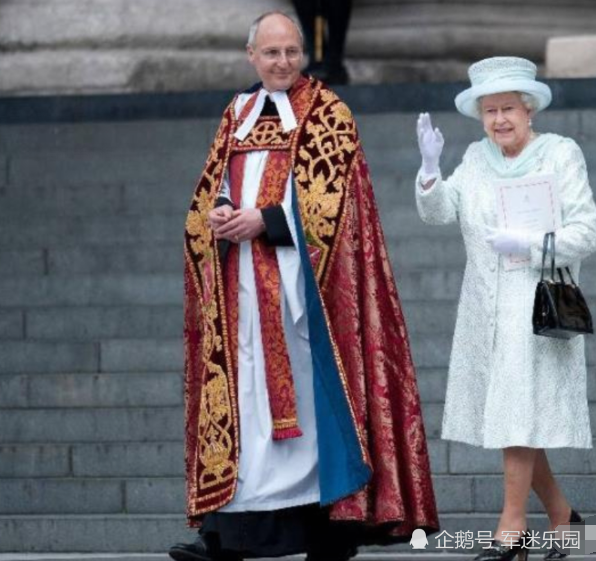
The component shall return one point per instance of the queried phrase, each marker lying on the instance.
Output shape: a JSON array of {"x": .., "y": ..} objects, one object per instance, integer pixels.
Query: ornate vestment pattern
[{"x": 362, "y": 318}]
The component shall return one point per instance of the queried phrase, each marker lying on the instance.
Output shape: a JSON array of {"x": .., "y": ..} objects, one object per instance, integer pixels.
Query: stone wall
[{"x": 94, "y": 46}]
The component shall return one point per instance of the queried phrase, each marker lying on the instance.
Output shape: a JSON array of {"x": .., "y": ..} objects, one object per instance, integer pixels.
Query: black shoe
[
  {"x": 553, "y": 553},
  {"x": 342, "y": 554},
  {"x": 498, "y": 551},
  {"x": 196, "y": 551}
]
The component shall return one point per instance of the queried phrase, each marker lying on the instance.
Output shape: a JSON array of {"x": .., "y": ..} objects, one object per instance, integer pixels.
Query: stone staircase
[{"x": 91, "y": 389}]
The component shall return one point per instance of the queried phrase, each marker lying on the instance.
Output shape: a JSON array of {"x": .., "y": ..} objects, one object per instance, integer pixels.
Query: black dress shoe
[
  {"x": 332, "y": 554},
  {"x": 196, "y": 551},
  {"x": 553, "y": 554},
  {"x": 499, "y": 551}
]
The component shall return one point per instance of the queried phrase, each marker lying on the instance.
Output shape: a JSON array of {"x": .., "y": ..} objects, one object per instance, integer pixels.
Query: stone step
[
  {"x": 93, "y": 496},
  {"x": 22, "y": 262},
  {"x": 93, "y": 533},
  {"x": 103, "y": 322},
  {"x": 433, "y": 248},
  {"x": 87, "y": 324},
  {"x": 157, "y": 389},
  {"x": 393, "y": 172},
  {"x": 130, "y": 389},
  {"x": 133, "y": 556},
  {"x": 365, "y": 554},
  {"x": 68, "y": 174},
  {"x": 393, "y": 183},
  {"x": 131, "y": 424},
  {"x": 36, "y": 356},
  {"x": 408, "y": 251},
  {"x": 12, "y": 324},
  {"x": 140, "y": 135},
  {"x": 158, "y": 228},
  {"x": 377, "y": 131},
  {"x": 156, "y": 533},
  {"x": 70, "y": 324},
  {"x": 166, "y": 289},
  {"x": 114, "y": 424},
  {"x": 166, "y": 459},
  {"x": 453, "y": 493},
  {"x": 123, "y": 459},
  {"x": 120, "y": 424},
  {"x": 94, "y": 460},
  {"x": 175, "y": 165},
  {"x": 431, "y": 350},
  {"x": 92, "y": 290}
]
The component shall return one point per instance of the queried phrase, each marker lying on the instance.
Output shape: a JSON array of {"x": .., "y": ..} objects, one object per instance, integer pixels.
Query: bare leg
[
  {"x": 518, "y": 467},
  {"x": 549, "y": 492}
]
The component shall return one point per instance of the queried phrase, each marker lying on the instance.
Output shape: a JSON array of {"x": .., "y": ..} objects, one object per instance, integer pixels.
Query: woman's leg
[
  {"x": 518, "y": 468},
  {"x": 549, "y": 492}
]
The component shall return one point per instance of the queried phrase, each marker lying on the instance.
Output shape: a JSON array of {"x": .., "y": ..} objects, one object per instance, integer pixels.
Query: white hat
[{"x": 501, "y": 74}]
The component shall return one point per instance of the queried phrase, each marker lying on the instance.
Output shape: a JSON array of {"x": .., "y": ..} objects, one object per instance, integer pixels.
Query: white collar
[{"x": 284, "y": 108}]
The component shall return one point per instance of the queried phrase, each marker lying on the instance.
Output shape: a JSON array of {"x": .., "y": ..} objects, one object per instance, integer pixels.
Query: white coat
[{"x": 507, "y": 386}]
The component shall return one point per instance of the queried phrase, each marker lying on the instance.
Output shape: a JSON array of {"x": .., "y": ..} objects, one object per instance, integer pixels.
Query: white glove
[
  {"x": 516, "y": 242},
  {"x": 430, "y": 143}
]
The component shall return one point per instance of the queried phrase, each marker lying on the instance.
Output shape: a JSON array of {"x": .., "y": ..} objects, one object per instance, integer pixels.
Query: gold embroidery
[
  {"x": 321, "y": 170},
  {"x": 198, "y": 228},
  {"x": 215, "y": 456},
  {"x": 215, "y": 441},
  {"x": 267, "y": 134}
]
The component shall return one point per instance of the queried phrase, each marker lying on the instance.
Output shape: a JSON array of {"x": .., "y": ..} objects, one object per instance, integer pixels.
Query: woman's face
[{"x": 506, "y": 121}]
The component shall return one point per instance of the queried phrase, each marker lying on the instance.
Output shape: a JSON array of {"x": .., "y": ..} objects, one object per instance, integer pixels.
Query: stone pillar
[{"x": 571, "y": 57}]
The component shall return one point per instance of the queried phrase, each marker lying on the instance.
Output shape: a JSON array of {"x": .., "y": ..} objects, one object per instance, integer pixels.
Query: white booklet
[{"x": 530, "y": 203}]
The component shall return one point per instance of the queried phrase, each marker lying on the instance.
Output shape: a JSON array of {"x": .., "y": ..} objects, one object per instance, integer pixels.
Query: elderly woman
[{"x": 507, "y": 387}]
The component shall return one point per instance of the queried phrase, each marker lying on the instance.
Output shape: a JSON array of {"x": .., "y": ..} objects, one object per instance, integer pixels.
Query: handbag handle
[
  {"x": 548, "y": 246},
  {"x": 560, "y": 271}
]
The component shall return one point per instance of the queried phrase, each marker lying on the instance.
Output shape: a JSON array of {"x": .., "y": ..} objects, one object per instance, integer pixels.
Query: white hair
[
  {"x": 529, "y": 101},
  {"x": 254, "y": 28}
]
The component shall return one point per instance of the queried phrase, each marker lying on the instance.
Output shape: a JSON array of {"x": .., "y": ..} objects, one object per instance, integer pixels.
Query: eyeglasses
[{"x": 275, "y": 55}]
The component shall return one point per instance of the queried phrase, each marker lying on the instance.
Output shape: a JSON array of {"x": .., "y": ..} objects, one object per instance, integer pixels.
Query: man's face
[{"x": 277, "y": 53}]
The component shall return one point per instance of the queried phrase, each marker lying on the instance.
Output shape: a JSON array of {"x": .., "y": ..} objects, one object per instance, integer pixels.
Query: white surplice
[{"x": 283, "y": 473}]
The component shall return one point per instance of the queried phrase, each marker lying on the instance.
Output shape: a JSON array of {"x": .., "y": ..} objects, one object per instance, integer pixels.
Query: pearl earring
[{"x": 530, "y": 123}]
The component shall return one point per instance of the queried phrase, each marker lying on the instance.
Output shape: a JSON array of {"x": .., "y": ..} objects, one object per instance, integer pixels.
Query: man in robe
[{"x": 304, "y": 430}]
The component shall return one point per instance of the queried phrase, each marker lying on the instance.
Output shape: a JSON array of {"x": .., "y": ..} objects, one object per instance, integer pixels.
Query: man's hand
[
  {"x": 219, "y": 216},
  {"x": 430, "y": 143},
  {"x": 244, "y": 224}
]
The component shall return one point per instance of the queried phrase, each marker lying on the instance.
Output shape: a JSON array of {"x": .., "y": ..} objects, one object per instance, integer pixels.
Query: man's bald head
[
  {"x": 254, "y": 28},
  {"x": 275, "y": 50}
]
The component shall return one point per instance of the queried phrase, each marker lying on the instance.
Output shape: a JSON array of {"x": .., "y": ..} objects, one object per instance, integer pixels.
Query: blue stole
[{"x": 342, "y": 469}]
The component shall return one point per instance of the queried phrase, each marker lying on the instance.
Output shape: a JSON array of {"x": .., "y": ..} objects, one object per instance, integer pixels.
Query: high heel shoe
[
  {"x": 553, "y": 554},
  {"x": 499, "y": 551}
]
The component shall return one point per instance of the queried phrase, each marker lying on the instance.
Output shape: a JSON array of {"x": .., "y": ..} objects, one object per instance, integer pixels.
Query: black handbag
[{"x": 560, "y": 309}]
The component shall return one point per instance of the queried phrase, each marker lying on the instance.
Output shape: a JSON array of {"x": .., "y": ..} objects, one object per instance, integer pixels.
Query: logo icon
[
  {"x": 418, "y": 540},
  {"x": 577, "y": 538}
]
